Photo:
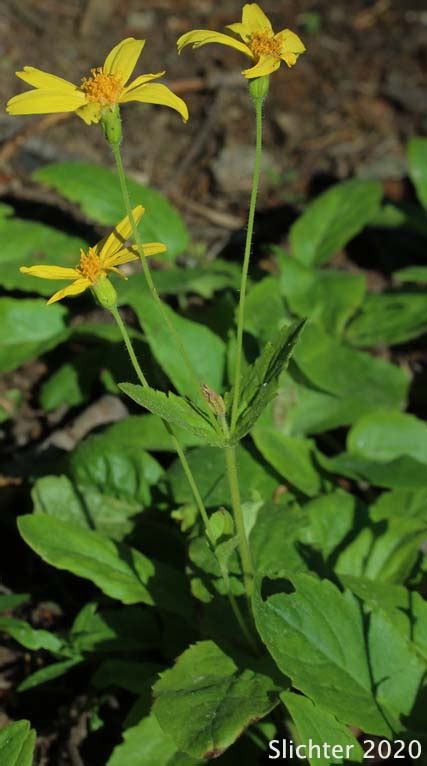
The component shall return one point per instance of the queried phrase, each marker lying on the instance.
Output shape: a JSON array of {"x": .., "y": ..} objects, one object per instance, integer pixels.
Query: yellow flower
[
  {"x": 105, "y": 88},
  {"x": 95, "y": 265},
  {"x": 266, "y": 49}
]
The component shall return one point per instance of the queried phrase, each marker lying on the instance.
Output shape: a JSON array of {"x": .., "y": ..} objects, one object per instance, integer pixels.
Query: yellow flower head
[
  {"x": 95, "y": 265},
  {"x": 104, "y": 88},
  {"x": 265, "y": 49}
]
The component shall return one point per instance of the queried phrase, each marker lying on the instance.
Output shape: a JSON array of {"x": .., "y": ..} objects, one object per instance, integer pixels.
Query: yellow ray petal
[
  {"x": 77, "y": 287},
  {"x": 46, "y": 102},
  {"x": 290, "y": 59},
  {"x": 142, "y": 80},
  {"x": 266, "y": 65},
  {"x": 291, "y": 43},
  {"x": 90, "y": 113},
  {"x": 50, "y": 272},
  {"x": 157, "y": 94},
  {"x": 39, "y": 79},
  {"x": 118, "y": 236},
  {"x": 154, "y": 248},
  {"x": 121, "y": 61},
  {"x": 254, "y": 19},
  {"x": 199, "y": 37},
  {"x": 125, "y": 255},
  {"x": 240, "y": 29}
]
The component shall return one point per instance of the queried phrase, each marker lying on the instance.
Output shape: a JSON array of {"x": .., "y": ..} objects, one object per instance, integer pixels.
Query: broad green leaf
[
  {"x": 29, "y": 329},
  {"x": 108, "y": 483},
  {"x": 203, "y": 280},
  {"x": 388, "y": 319},
  {"x": 351, "y": 540},
  {"x": 406, "y": 609},
  {"x": 329, "y": 384},
  {"x": 315, "y": 727},
  {"x": 205, "y": 350},
  {"x": 330, "y": 518},
  {"x": 176, "y": 410},
  {"x": 17, "y": 743},
  {"x": 401, "y": 502},
  {"x": 320, "y": 638},
  {"x": 48, "y": 673},
  {"x": 261, "y": 379},
  {"x": 328, "y": 297},
  {"x": 84, "y": 506},
  {"x": 265, "y": 311},
  {"x": 29, "y": 243},
  {"x": 333, "y": 219},
  {"x": 118, "y": 570},
  {"x": 206, "y": 701},
  {"x": 208, "y": 467},
  {"x": 96, "y": 189},
  {"x": 402, "y": 473},
  {"x": 68, "y": 384},
  {"x": 383, "y": 436},
  {"x": 292, "y": 457},
  {"x": 148, "y": 745},
  {"x": 274, "y": 537},
  {"x": 417, "y": 161},
  {"x": 383, "y": 551}
]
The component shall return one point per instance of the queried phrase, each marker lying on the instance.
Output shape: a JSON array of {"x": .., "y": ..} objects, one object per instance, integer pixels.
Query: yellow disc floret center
[
  {"x": 103, "y": 88},
  {"x": 90, "y": 265},
  {"x": 265, "y": 44}
]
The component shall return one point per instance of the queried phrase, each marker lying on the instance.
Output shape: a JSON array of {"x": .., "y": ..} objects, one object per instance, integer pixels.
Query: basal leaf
[
  {"x": 146, "y": 744},
  {"x": 292, "y": 457},
  {"x": 388, "y": 319},
  {"x": 384, "y": 436},
  {"x": 29, "y": 329},
  {"x": 96, "y": 189},
  {"x": 205, "y": 350},
  {"x": 17, "y": 743},
  {"x": 29, "y": 243},
  {"x": 48, "y": 673},
  {"x": 118, "y": 570},
  {"x": 315, "y": 728},
  {"x": 321, "y": 638},
  {"x": 328, "y": 297},
  {"x": 333, "y": 219},
  {"x": 205, "y": 701}
]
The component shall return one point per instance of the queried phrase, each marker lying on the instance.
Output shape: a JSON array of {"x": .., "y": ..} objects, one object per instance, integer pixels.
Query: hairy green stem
[
  {"x": 244, "y": 550},
  {"x": 246, "y": 260}
]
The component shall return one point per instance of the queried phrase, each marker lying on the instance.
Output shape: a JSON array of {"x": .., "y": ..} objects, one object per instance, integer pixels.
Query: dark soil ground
[{"x": 347, "y": 108}]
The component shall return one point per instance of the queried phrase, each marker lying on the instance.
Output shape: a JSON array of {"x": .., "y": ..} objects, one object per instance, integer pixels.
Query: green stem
[
  {"x": 187, "y": 470},
  {"x": 175, "y": 338},
  {"x": 246, "y": 260},
  {"x": 245, "y": 552}
]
